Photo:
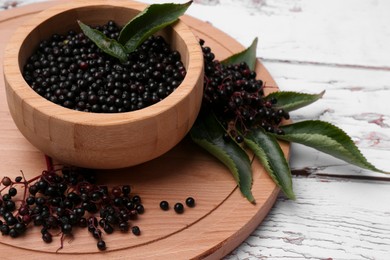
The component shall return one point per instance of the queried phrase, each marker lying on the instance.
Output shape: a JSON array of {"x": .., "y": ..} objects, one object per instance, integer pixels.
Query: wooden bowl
[{"x": 92, "y": 140}]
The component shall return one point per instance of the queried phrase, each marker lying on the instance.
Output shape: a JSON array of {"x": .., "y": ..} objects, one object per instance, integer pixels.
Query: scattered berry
[
  {"x": 164, "y": 205},
  {"x": 135, "y": 230},
  {"x": 190, "y": 202},
  {"x": 101, "y": 245},
  {"x": 179, "y": 208}
]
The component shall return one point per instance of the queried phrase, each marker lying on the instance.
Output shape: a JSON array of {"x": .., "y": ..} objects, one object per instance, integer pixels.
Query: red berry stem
[{"x": 49, "y": 163}]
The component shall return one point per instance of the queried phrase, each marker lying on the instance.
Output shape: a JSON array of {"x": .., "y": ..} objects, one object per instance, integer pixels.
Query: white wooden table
[{"x": 343, "y": 47}]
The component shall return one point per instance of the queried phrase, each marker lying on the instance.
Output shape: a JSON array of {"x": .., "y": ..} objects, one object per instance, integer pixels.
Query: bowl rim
[{"x": 41, "y": 105}]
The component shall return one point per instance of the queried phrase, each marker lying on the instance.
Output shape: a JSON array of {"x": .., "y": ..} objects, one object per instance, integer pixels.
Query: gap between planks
[{"x": 314, "y": 63}]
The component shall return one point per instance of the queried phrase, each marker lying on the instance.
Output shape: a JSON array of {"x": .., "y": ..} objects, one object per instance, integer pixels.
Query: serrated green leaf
[
  {"x": 248, "y": 56},
  {"x": 290, "y": 100},
  {"x": 268, "y": 151},
  {"x": 326, "y": 138},
  {"x": 149, "y": 21},
  {"x": 208, "y": 133},
  {"x": 109, "y": 46}
]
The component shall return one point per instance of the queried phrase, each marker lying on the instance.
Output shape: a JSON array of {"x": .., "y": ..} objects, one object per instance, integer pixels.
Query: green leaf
[
  {"x": 268, "y": 151},
  {"x": 326, "y": 138},
  {"x": 149, "y": 21},
  {"x": 289, "y": 100},
  {"x": 208, "y": 133},
  {"x": 109, "y": 46},
  {"x": 248, "y": 55}
]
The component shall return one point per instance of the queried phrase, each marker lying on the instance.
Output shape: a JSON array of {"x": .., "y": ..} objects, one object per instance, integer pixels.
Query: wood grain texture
[
  {"x": 77, "y": 138},
  {"x": 221, "y": 220}
]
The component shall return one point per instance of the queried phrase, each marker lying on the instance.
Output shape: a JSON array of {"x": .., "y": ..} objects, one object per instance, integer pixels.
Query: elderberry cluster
[
  {"x": 236, "y": 97},
  {"x": 71, "y": 71},
  {"x": 59, "y": 202}
]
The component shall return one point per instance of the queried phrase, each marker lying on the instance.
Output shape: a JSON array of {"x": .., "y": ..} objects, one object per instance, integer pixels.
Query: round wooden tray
[{"x": 221, "y": 220}]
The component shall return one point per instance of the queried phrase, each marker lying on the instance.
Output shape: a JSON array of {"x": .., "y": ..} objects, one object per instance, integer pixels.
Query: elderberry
[
  {"x": 140, "y": 209},
  {"x": 101, "y": 245},
  {"x": 136, "y": 230},
  {"x": 4, "y": 229},
  {"x": 164, "y": 205},
  {"x": 179, "y": 208},
  {"x": 136, "y": 199},
  {"x": 190, "y": 202},
  {"x": 47, "y": 237}
]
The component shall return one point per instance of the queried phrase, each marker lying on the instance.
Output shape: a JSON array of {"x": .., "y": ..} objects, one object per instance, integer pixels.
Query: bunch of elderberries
[
  {"x": 236, "y": 97},
  {"x": 59, "y": 201}
]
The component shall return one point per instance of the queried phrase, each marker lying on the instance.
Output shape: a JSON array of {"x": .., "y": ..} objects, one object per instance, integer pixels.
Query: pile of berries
[
  {"x": 71, "y": 71},
  {"x": 236, "y": 97},
  {"x": 59, "y": 201}
]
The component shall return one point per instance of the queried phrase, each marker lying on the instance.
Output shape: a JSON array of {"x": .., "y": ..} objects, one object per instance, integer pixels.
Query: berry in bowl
[{"x": 84, "y": 107}]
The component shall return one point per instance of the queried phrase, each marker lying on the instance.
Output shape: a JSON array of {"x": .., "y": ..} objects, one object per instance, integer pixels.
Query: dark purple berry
[
  {"x": 13, "y": 233},
  {"x": 140, "y": 209},
  {"x": 101, "y": 245},
  {"x": 190, "y": 202},
  {"x": 179, "y": 208},
  {"x": 66, "y": 228},
  {"x": 4, "y": 229},
  {"x": 47, "y": 237},
  {"x": 135, "y": 230},
  {"x": 124, "y": 226},
  {"x": 164, "y": 205},
  {"x": 126, "y": 190},
  {"x": 12, "y": 192},
  {"x": 136, "y": 199},
  {"x": 239, "y": 139}
]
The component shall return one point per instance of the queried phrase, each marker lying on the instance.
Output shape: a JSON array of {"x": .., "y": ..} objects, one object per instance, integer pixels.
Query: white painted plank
[
  {"x": 347, "y": 32},
  {"x": 333, "y": 31},
  {"x": 329, "y": 220},
  {"x": 356, "y": 100}
]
